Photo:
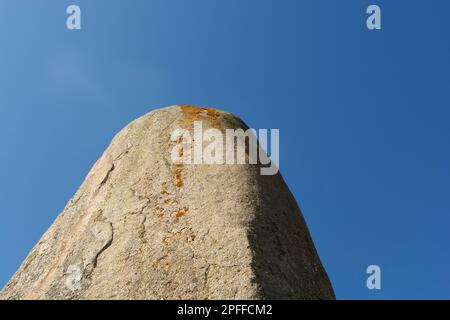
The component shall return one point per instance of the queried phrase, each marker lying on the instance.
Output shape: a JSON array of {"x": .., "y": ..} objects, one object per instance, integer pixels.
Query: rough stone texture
[{"x": 141, "y": 227}]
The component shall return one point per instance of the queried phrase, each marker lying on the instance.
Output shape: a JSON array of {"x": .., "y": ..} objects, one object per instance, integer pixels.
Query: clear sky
[{"x": 363, "y": 115}]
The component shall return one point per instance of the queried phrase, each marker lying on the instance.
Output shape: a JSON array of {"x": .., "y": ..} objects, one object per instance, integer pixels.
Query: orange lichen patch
[
  {"x": 193, "y": 113},
  {"x": 190, "y": 114},
  {"x": 181, "y": 212},
  {"x": 164, "y": 192},
  {"x": 213, "y": 116},
  {"x": 185, "y": 233},
  {"x": 180, "y": 153},
  {"x": 178, "y": 175}
]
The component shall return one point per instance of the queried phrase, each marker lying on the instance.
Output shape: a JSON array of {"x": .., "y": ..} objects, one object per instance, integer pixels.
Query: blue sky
[{"x": 363, "y": 115}]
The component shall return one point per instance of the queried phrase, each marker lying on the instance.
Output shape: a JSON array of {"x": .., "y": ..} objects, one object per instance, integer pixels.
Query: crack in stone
[
  {"x": 107, "y": 175},
  {"x": 123, "y": 153},
  {"x": 104, "y": 247},
  {"x": 142, "y": 229}
]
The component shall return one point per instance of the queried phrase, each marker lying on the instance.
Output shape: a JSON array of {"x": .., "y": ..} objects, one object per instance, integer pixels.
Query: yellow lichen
[
  {"x": 186, "y": 234},
  {"x": 193, "y": 113},
  {"x": 178, "y": 175},
  {"x": 181, "y": 212}
]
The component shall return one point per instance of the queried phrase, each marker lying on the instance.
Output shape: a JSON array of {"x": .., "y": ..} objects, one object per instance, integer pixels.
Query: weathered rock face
[{"x": 141, "y": 227}]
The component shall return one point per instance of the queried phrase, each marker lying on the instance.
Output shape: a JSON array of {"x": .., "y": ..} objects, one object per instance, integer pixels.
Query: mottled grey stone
[{"x": 141, "y": 227}]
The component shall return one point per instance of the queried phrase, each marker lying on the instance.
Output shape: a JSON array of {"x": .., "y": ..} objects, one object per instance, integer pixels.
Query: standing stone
[{"x": 142, "y": 227}]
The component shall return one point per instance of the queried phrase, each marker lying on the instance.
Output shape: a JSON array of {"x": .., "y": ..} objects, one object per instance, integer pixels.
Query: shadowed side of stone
[{"x": 144, "y": 227}]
